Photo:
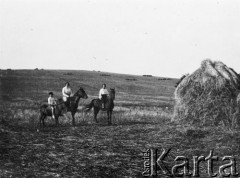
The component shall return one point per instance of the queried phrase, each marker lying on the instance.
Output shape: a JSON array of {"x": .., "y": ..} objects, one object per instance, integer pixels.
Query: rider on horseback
[
  {"x": 103, "y": 93},
  {"x": 67, "y": 92},
  {"x": 51, "y": 103}
]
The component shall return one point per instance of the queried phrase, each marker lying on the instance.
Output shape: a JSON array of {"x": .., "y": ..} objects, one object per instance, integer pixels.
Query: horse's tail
[
  {"x": 43, "y": 109},
  {"x": 88, "y": 107},
  {"x": 43, "y": 113}
]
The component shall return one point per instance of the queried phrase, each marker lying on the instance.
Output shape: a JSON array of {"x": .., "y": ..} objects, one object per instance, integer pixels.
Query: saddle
[
  {"x": 69, "y": 104},
  {"x": 47, "y": 106}
]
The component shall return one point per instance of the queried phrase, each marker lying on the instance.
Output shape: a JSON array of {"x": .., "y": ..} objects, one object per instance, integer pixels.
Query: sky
[{"x": 165, "y": 38}]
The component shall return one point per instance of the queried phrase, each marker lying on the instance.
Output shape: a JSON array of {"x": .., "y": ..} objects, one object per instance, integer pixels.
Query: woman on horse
[
  {"x": 103, "y": 95},
  {"x": 66, "y": 92}
]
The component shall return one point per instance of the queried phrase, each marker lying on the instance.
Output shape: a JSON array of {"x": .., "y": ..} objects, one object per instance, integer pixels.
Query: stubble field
[{"x": 141, "y": 120}]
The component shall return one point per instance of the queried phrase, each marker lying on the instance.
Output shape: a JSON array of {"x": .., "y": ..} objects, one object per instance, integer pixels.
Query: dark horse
[
  {"x": 60, "y": 107},
  {"x": 97, "y": 106}
]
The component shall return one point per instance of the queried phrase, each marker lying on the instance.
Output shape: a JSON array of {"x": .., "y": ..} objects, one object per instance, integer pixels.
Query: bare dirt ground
[{"x": 141, "y": 120}]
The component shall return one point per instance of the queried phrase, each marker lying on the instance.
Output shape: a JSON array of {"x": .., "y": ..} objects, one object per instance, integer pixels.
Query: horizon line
[{"x": 86, "y": 70}]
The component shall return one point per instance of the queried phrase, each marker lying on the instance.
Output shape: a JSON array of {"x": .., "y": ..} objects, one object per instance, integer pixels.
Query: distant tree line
[{"x": 147, "y": 75}]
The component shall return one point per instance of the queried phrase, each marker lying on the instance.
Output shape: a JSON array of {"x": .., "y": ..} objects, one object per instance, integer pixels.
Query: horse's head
[
  {"x": 112, "y": 93},
  {"x": 81, "y": 93}
]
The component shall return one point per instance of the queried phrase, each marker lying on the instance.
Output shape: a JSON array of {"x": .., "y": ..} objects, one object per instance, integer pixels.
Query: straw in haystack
[{"x": 208, "y": 95}]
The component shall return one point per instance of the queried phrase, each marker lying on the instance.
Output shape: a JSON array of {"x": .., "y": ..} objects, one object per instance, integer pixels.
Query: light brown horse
[
  {"x": 60, "y": 107},
  {"x": 97, "y": 106}
]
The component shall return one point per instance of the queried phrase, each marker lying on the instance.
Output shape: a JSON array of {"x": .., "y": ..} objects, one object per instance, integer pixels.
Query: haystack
[{"x": 208, "y": 95}]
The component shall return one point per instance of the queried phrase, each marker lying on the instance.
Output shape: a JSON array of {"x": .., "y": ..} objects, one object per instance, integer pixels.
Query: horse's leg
[
  {"x": 56, "y": 119},
  {"x": 40, "y": 119},
  {"x": 73, "y": 118},
  {"x": 96, "y": 110},
  {"x": 43, "y": 123},
  {"x": 108, "y": 113},
  {"x": 110, "y": 118}
]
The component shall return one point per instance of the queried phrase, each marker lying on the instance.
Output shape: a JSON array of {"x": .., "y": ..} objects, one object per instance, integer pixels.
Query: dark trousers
[
  {"x": 104, "y": 99},
  {"x": 67, "y": 103}
]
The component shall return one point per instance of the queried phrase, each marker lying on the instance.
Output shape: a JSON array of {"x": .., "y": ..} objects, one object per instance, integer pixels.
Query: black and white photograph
[{"x": 119, "y": 88}]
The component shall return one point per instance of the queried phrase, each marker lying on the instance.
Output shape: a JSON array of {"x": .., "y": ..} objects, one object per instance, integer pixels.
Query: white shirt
[
  {"x": 51, "y": 101},
  {"x": 66, "y": 92},
  {"x": 103, "y": 92}
]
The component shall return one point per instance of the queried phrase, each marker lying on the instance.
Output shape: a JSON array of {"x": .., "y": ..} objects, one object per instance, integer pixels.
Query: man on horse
[
  {"x": 67, "y": 92},
  {"x": 105, "y": 102},
  {"x": 52, "y": 103},
  {"x": 103, "y": 93}
]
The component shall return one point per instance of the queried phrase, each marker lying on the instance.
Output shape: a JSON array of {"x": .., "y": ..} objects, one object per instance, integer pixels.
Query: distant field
[
  {"x": 141, "y": 120},
  {"x": 34, "y": 85}
]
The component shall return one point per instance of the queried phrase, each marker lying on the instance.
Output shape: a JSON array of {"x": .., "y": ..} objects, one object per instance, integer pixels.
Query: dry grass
[
  {"x": 98, "y": 150},
  {"x": 208, "y": 96}
]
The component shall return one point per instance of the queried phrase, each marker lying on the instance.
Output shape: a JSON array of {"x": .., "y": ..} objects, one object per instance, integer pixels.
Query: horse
[
  {"x": 97, "y": 106},
  {"x": 60, "y": 107}
]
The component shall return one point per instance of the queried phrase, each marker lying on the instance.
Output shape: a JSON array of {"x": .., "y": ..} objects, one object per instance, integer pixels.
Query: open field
[{"x": 141, "y": 120}]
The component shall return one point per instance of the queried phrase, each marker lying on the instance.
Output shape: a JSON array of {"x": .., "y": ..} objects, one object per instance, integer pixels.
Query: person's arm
[
  {"x": 49, "y": 102},
  {"x": 106, "y": 91},
  {"x": 54, "y": 101},
  {"x": 100, "y": 94}
]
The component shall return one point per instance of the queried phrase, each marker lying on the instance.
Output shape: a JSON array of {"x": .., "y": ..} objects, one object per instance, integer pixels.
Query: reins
[{"x": 64, "y": 102}]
